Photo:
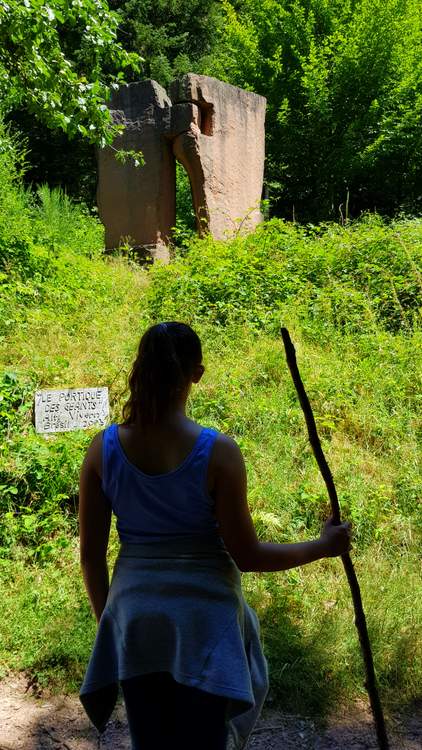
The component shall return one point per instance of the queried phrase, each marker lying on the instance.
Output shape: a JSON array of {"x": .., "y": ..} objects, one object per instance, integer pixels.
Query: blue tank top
[{"x": 150, "y": 507}]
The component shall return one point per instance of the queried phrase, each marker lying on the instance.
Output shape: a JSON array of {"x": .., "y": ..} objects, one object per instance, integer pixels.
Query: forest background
[{"x": 338, "y": 260}]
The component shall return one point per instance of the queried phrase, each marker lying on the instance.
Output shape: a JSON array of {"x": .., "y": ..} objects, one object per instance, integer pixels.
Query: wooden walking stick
[{"x": 360, "y": 620}]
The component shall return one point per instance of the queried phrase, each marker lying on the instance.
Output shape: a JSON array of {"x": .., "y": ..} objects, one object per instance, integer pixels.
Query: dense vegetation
[
  {"x": 173, "y": 36},
  {"x": 59, "y": 60},
  {"x": 350, "y": 296},
  {"x": 58, "y": 64},
  {"x": 343, "y": 82}
]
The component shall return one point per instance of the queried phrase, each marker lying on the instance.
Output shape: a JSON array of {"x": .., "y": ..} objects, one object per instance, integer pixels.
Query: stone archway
[{"x": 217, "y": 133}]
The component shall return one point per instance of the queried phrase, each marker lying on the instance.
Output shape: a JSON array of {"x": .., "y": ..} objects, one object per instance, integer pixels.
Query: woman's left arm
[{"x": 94, "y": 527}]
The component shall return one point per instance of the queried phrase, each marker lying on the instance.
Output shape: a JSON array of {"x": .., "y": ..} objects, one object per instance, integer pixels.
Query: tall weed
[
  {"x": 62, "y": 223},
  {"x": 338, "y": 275},
  {"x": 78, "y": 322}
]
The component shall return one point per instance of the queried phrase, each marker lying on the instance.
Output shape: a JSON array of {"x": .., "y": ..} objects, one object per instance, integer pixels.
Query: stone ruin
[{"x": 215, "y": 130}]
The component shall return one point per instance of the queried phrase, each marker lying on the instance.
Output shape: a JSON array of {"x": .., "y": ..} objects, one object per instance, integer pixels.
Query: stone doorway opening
[
  {"x": 215, "y": 131},
  {"x": 185, "y": 215}
]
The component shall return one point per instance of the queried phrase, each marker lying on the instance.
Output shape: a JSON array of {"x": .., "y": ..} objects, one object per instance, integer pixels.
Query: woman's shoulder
[
  {"x": 226, "y": 452},
  {"x": 93, "y": 456},
  {"x": 94, "y": 453},
  {"x": 227, "y": 471}
]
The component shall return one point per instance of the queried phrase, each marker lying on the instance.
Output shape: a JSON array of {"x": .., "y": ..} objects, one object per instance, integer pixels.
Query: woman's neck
[{"x": 173, "y": 417}]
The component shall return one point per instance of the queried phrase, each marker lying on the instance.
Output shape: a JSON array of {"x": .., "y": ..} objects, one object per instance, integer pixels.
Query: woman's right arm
[
  {"x": 94, "y": 527},
  {"x": 237, "y": 529}
]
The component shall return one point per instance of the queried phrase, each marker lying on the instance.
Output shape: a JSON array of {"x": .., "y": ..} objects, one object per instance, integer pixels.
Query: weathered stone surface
[
  {"x": 186, "y": 148},
  {"x": 71, "y": 409},
  {"x": 223, "y": 153},
  {"x": 138, "y": 204},
  {"x": 183, "y": 116},
  {"x": 214, "y": 129}
]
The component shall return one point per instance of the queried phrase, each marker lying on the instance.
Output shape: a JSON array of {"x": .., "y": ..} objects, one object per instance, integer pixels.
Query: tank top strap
[
  {"x": 112, "y": 458},
  {"x": 205, "y": 442},
  {"x": 200, "y": 459},
  {"x": 109, "y": 455}
]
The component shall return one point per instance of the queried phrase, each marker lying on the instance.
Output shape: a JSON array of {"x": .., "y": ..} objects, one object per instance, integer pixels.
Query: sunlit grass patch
[
  {"x": 78, "y": 322},
  {"x": 311, "y": 640}
]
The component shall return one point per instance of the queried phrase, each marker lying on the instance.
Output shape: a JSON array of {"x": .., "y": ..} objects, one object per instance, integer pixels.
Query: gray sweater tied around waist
[{"x": 177, "y": 607}]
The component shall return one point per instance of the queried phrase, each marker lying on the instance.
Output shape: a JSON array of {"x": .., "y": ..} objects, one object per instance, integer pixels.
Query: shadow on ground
[{"x": 59, "y": 723}]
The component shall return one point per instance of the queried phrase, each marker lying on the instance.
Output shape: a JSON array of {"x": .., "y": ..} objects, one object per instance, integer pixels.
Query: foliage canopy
[
  {"x": 344, "y": 87},
  {"x": 343, "y": 81},
  {"x": 172, "y": 35},
  {"x": 60, "y": 58}
]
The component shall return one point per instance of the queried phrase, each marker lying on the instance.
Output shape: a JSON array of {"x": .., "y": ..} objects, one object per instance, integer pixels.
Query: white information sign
[{"x": 71, "y": 409}]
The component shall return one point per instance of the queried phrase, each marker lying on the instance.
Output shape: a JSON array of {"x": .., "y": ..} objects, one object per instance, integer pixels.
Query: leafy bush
[
  {"x": 78, "y": 322},
  {"x": 32, "y": 231},
  {"x": 61, "y": 222},
  {"x": 16, "y": 246},
  {"x": 336, "y": 274},
  {"x": 60, "y": 60},
  {"x": 13, "y": 401},
  {"x": 344, "y": 100},
  {"x": 185, "y": 229}
]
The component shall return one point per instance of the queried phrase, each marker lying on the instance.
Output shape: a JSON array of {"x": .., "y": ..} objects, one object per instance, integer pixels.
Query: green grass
[
  {"x": 350, "y": 298},
  {"x": 306, "y": 619}
]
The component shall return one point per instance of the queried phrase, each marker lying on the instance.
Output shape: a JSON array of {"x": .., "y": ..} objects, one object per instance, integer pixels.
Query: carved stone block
[
  {"x": 138, "y": 204},
  {"x": 214, "y": 129}
]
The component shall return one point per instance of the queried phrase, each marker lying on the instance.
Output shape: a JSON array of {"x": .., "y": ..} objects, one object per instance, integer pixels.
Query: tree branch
[{"x": 360, "y": 620}]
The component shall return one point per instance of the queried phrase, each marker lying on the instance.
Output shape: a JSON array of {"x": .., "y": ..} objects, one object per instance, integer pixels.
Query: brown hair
[{"x": 167, "y": 356}]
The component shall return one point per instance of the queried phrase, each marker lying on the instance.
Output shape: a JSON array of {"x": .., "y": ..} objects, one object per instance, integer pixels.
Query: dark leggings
[{"x": 165, "y": 715}]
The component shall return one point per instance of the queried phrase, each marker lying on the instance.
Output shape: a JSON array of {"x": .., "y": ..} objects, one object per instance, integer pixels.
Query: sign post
[{"x": 71, "y": 409}]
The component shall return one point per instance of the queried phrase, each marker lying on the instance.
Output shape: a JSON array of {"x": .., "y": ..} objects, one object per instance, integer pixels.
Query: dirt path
[{"x": 27, "y": 723}]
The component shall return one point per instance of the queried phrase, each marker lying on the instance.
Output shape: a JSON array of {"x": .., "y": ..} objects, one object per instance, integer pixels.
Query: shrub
[{"x": 337, "y": 274}]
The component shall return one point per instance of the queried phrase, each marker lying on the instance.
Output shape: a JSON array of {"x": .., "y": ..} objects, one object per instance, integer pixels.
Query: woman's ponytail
[{"x": 167, "y": 356}]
